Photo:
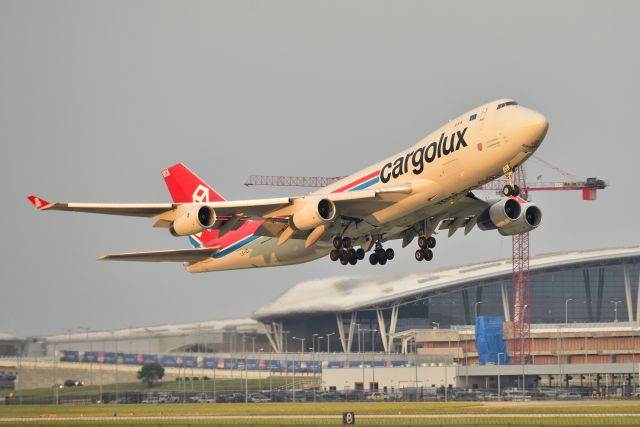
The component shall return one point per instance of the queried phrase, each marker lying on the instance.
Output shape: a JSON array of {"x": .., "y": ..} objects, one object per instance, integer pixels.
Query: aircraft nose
[{"x": 537, "y": 124}]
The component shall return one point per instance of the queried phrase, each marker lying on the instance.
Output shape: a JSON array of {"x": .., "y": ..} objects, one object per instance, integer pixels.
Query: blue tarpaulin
[{"x": 489, "y": 340}]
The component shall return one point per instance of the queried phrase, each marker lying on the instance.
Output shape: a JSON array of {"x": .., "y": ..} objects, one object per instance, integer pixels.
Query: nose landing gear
[{"x": 511, "y": 189}]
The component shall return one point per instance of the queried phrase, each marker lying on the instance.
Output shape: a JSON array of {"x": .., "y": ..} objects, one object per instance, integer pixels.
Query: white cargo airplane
[{"x": 405, "y": 196}]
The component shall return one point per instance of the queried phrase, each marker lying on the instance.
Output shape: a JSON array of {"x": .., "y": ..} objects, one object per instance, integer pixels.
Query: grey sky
[{"x": 96, "y": 98}]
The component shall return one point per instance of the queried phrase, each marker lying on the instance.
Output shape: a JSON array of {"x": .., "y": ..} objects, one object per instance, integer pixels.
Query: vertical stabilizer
[{"x": 186, "y": 187}]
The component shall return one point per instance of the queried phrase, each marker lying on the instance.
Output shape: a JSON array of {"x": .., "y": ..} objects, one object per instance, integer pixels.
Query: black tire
[
  {"x": 422, "y": 242},
  {"x": 353, "y": 261},
  {"x": 382, "y": 256},
  {"x": 428, "y": 255},
  {"x": 431, "y": 242},
  {"x": 373, "y": 259},
  {"x": 507, "y": 190},
  {"x": 419, "y": 255},
  {"x": 344, "y": 261},
  {"x": 337, "y": 242},
  {"x": 383, "y": 260},
  {"x": 344, "y": 255},
  {"x": 334, "y": 255},
  {"x": 352, "y": 255},
  {"x": 390, "y": 254},
  {"x": 360, "y": 254},
  {"x": 516, "y": 190},
  {"x": 346, "y": 242}
]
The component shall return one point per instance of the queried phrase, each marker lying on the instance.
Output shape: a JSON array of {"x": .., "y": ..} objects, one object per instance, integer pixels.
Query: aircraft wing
[
  {"x": 179, "y": 255},
  {"x": 251, "y": 209},
  {"x": 275, "y": 209}
]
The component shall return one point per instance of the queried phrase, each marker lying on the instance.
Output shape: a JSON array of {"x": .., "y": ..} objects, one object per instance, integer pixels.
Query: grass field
[
  {"x": 222, "y": 385},
  {"x": 396, "y": 414}
]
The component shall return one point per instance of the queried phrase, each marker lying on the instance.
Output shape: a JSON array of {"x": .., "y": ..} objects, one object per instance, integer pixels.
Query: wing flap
[{"x": 176, "y": 255}]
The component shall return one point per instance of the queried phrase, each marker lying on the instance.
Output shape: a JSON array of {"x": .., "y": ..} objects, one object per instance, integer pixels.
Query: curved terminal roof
[
  {"x": 180, "y": 329},
  {"x": 349, "y": 293}
]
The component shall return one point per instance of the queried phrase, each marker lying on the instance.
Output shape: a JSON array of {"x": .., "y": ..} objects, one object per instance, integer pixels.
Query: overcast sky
[{"x": 96, "y": 98}]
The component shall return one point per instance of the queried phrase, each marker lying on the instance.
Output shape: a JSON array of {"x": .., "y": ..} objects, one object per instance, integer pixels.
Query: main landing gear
[
  {"x": 381, "y": 255},
  {"x": 344, "y": 252},
  {"x": 426, "y": 244}
]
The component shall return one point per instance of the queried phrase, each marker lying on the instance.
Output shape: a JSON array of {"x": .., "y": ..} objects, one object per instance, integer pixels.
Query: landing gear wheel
[
  {"x": 419, "y": 255},
  {"x": 423, "y": 242},
  {"x": 334, "y": 255},
  {"x": 382, "y": 260},
  {"x": 390, "y": 254},
  {"x": 346, "y": 242},
  {"x": 508, "y": 190},
  {"x": 382, "y": 256},
  {"x": 516, "y": 190},
  {"x": 373, "y": 259},
  {"x": 431, "y": 242},
  {"x": 353, "y": 261},
  {"x": 428, "y": 255},
  {"x": 344, "y": 255},
  {"x": 337, "y": 242},
  {"x": 360, "y": 253},
  {"x": 344, "y": 261}
]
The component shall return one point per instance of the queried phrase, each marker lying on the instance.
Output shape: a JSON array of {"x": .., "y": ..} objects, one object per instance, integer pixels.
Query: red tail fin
[{"x": 187, "y": 187}]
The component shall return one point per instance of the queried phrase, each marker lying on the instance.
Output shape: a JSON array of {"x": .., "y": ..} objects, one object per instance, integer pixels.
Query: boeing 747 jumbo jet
[{"x": 424, "y": 188}]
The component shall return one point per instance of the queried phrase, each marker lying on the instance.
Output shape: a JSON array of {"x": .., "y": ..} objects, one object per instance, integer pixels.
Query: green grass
[
  {"x": 222, "y": 385},
  {"x": 275, "y": 409},
  {"x": 391, "y": 422}
]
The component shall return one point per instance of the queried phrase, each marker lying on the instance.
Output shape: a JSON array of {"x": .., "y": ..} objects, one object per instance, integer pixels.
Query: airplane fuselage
[{"x": 467, "y": 152}]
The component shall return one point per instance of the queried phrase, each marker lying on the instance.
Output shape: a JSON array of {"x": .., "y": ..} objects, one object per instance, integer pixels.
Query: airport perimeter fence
[{"x": 304, "y": 392}]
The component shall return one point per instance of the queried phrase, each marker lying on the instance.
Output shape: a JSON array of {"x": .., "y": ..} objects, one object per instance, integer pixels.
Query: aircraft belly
[{"x": 263, "y": 252}]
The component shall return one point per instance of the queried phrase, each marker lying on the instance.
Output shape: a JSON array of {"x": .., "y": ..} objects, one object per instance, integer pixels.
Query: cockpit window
[{"x": 505, "y": 104}]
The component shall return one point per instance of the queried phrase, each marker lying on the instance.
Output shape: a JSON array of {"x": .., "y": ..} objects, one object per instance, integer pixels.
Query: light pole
[
  {"x": 313, "y": 343},
  {"x": 615, "y": 309},
  {"x": 301, "y": 342},
  {"x": 319, "y": 338},
  {"x": 499, "y": 358},
  {"x": 329, "y": 340},
  {"x": 566, "y": 312},
  {"x": 475, "y": 307}
]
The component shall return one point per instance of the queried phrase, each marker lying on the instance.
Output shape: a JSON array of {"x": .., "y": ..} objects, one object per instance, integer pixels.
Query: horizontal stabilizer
[{"x": 178, "y": 255}]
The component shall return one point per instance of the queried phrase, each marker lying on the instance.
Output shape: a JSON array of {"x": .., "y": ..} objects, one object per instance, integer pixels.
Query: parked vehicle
[
  {"x": 569, "y": 396},
  {"x": 166, "y": 397}
]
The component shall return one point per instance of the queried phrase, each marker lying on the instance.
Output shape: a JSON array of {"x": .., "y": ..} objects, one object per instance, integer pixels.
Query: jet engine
[
  {"x": 500, "y": 214},
  {"x": 313, "y": 213},
  {"x": 528, "y": 221},
  {"x": 192, "y": 219}
]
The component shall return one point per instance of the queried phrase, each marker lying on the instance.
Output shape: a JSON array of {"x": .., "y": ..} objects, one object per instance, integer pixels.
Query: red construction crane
[{"x": 520, "y": 275}]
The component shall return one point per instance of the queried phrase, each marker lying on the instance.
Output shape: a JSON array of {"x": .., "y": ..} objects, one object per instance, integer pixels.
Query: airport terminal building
[
  {"x": 585, "y": 330},
  {"x": 600, "y": 288}
]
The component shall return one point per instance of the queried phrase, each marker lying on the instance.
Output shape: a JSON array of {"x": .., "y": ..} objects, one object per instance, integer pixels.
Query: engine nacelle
[
  {"x": 192, "y": 219},
  {"x": 313, "y": 213},
  {"x": 529, "y": 220},
  {"x": 500, "y": 214}
]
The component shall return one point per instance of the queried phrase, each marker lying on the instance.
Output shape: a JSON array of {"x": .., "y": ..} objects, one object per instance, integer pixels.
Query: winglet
[{"x": 39, "y": 202}]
